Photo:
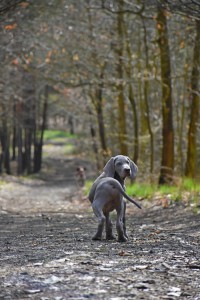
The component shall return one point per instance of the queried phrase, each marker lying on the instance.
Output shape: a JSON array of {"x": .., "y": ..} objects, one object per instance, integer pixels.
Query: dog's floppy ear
[
  {"x": 134, "y": 169},
  {"x": 109, "y": 168}
]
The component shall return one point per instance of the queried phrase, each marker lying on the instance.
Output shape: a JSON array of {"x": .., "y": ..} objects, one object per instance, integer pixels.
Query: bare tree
[
  {"x": 167, "y": 163},
  {"x": 191, "y": 163}
]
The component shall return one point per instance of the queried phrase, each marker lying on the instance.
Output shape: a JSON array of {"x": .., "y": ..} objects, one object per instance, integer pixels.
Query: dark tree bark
[
  {"x": 5, "y": 155},
  {"x": 97, "y": 101},
  {"x": 29, "y": 117},
  {"x": 94, "y": 142},
  {"x": 135, "y": 124},
  {"x": 4, "y": 140},
  {"x": 39, "y": 143},
  {"x": 131, "y": 96},
  {"x": 120, "y": 85},
  {"x": 14, "y": 131},
  {"x": 146, "y": 101},
  {"x": 167, "y": 163},
  {"x": 191, "y": 162},
  {"x": 20, "y": 164},
  {"x": 97, "y": 93}
]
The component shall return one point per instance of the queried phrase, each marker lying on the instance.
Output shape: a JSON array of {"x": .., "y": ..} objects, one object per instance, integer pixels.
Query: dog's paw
[
  {"x": 122, "y": 239},
  {"x": 110, "y": 237},
  {"x": 96, "y": 238}
]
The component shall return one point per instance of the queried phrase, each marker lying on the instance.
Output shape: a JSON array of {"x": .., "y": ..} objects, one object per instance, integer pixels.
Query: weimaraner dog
[{"x": 107, "y": 193}]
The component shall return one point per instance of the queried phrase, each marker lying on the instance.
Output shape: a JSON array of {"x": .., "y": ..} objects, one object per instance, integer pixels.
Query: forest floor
[{"x": 46, "y": 225}]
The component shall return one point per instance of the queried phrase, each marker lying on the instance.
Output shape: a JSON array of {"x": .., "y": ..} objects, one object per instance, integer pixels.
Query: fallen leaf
[
  {"x": 75, "y": 57},
  {"x": 15, "y": 62},
  {"x": 123, "y": 253},
  {"x": 11, "y": 26},
  {"x": 24, "y": 4}
]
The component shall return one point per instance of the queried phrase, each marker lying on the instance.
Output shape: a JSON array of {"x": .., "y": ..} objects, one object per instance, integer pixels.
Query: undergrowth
[
  {"x": 176, "y": 192},
  {"x": 187, "y": 190}
]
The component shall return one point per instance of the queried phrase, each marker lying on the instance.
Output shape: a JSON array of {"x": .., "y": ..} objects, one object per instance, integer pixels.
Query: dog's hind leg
[
  {"x": 124, "y": 221},
  {"x": 120, "y": 224},
  {"x": 109, "y": 233},
  {"x": 101, "y": 220}
]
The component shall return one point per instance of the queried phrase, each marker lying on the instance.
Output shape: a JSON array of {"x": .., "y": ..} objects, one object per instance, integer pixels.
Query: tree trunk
[
  {"x": 120, "y": 86},
  {"x": 135, "y": 124},
  {"x": 5, "y": 156},
  {"x": 100, "y": 119},
  {"x": 38, "y": 144},
  {"x": 167, "y": 163},
  {"x": 146, "y": 101},
  {"x": 29, "y": 117},
  {"x": 181, "y": 106},
  {"x": 14, "y": 131},
  {"x": 94, "y": 142},
  {"x": 20, "y": 157},
  {"x": 131, "y": 97},
  {"x": 97, "y": 95},
  {"x": 4, "y": 140},
  {"x": 191, "y": 161}
]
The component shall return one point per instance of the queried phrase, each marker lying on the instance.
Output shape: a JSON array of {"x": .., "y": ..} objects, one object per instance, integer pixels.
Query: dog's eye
[{"x": 118, "y": 163}]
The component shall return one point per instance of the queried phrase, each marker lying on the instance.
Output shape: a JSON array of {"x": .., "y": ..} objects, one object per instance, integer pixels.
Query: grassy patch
[
  {"x": 190, "y": 185},
  {"x": 141, "y": 190},
  {"x": 88, "y": 185},
  {"x": 68, "y": 149},
  {"x": 57, "y": 134},
  {"x": 2, "y": 182},
  {"x": 186, "y": 190},
  {"x": 58, "y": 141}
]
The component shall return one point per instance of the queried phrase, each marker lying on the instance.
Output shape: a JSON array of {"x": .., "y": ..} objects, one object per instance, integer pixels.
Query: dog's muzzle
[{"x": 127, "y": 171}]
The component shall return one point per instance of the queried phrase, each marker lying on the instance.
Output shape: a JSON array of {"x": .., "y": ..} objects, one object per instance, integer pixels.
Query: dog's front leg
[{"x": 120, "y": 223}]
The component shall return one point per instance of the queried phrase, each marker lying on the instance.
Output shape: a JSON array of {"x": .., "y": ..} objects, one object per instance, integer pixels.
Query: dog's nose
[{"x": 127, "y": 171}]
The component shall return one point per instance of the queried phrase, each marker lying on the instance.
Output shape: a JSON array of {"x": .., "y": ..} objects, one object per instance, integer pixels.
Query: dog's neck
[{"x": 118, "y": 178}]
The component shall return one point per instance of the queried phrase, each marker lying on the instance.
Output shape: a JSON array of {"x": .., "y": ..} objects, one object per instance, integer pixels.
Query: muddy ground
[{"x": 46, "y": 227}]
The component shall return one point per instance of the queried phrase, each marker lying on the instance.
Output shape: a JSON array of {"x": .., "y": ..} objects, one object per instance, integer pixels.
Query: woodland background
[{"x": 122, "y": 75}]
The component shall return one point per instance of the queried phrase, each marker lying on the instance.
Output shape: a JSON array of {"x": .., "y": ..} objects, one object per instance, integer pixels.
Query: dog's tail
[
  {"x": 121, "y": 190},
  {"x": 129, "y": 198}
]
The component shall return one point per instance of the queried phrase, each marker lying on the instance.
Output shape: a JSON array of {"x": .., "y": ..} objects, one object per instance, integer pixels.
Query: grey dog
[{"x": 107, "y": 193}]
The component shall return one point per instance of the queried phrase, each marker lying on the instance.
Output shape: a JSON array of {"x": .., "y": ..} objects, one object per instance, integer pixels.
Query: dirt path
[{"x": 47, "y": 251}]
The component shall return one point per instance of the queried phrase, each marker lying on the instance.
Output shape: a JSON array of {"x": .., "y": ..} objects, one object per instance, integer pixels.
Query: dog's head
[
  {"x": 80, "y": 171},
  {"x": 122, "y": 165}
]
